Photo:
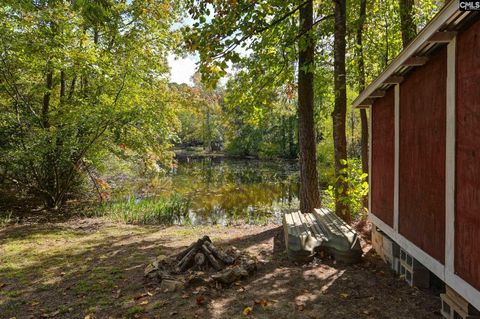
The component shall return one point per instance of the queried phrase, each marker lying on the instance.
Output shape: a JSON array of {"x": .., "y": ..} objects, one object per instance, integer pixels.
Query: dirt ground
[{"x": 90, "y": 268}]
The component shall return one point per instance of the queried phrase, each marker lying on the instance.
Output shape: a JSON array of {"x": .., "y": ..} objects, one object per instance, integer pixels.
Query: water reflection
[{"x": 226, "y": 191}]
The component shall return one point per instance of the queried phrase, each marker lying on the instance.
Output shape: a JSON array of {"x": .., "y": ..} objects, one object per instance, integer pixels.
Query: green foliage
[
  {"x": 200, "y": 115},
  {"x": 135, "y": 311},
  {"x": 259, "y": 39},
  {"x": 260, "y": 123},
  {"x": 82, "y": 82},
  {"x": 357, "y": 190},
  {"x": 148, "y": 211},
  {"x": 79, "y": 80}
]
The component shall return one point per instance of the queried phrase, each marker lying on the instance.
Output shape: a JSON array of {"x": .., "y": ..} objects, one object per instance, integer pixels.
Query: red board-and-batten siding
[
  {"x": 422, "y": 135},
  {"x": 467, "y": 185},
  {"x": 436, "y": 210},
  {"x": 383, "y": 157}
]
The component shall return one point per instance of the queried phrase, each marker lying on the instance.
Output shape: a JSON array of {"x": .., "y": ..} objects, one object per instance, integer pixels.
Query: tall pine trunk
[
  {"x": 340, "y": 110},
  {"x": 409, "y": 29},
  {"x": 361, "y": 87},
  {"x": 309, "y": 192}
]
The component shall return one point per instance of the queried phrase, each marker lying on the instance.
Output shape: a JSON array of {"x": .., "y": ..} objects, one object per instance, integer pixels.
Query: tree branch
[{"x": 236, "y": 43}]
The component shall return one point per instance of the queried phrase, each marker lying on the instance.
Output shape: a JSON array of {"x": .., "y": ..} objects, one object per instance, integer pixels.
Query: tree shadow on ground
[
  {"x": 320, "y": 289},
  {"x": 327, "y": 290},
  {"x": 98, "y": 271}
]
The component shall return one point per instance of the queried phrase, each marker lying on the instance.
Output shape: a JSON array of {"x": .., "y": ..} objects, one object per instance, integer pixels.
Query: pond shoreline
[{"x": 184, "y": 153}]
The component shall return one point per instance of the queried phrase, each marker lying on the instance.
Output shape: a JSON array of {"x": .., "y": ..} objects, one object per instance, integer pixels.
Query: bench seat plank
[{"x": 307, "y": 233}]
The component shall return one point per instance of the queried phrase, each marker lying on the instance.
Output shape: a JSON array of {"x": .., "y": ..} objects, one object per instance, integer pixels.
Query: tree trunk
[
  {"x": 292, "y": 152},
  {"x": 409, "y": 29},
  {"x": 72, "y": 87},
  {"x": 49, "y": 186},
  {"x": 46, "y": 98},
  {"x": 361, "y": 87},
  {"x": 63, "y": 85},
  {"x": 340, "y": 110},
  {"x": 309, "y": 192}
]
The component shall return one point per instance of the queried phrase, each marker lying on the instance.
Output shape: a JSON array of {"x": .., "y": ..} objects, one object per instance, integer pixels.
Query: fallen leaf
[
  {"x": 247, "y": 311},
  {"x": 299, "y": 306},
  {"x": 261, "y": 302},
  {"x": 173, "y": 313},
  {"x": 145, "y": 302},
  {"x": 150, "y": 268},
  {"x": 344, "y": 296},
  {"x": 141, "y": 296},
  {"x": 201, "y": 300},
  {"x": 88, "y": 317},
  {"x": 50, "y": 315},
  {"x": 161, "y": 258},
  {"x": 34, "y": 303},
  {"x": 2, "y": 284}
]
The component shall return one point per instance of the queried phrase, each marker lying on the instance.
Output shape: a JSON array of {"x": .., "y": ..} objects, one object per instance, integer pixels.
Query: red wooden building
[{"x": 425, "y": 149}]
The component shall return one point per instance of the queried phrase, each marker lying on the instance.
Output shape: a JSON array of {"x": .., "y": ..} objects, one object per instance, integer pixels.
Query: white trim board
[
  {"x": 463, "y": 288},
  {"x": 450, "y": 159},
  {"x": 370, "y": 148},
  {"x": 425, "y": 259}
]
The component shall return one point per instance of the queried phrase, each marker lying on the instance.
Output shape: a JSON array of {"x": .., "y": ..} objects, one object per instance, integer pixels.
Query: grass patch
[
  {"x": 148, "y": 211},
  {"x": 12, "y": 293},
  {"x": 135, "y": 310}
]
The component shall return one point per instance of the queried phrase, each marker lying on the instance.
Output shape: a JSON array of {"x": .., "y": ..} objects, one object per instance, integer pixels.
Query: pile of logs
[
  {"x": 201, "y": 255},
  {"x": 201, "y": 260}
]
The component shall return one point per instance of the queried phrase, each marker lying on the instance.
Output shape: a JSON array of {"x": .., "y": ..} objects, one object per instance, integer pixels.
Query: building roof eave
[{"x": 427, "y": 35}]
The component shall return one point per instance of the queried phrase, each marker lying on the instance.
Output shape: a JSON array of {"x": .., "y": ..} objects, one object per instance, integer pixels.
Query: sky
[{"x": 182, "y": 69}]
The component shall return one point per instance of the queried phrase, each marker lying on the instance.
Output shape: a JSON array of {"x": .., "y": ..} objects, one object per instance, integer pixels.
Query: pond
[{"x": 225, "y": 191}]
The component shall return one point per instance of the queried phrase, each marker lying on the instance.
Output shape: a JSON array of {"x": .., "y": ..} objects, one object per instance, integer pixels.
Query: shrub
[{"x": 357, "y": 183}]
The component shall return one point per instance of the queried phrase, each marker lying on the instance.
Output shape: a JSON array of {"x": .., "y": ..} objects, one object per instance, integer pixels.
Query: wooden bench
[{"x": 306, "y": 234}]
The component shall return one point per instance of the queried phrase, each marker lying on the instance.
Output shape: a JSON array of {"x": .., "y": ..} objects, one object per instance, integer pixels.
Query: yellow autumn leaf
[
  {"x": 344, "y": 296},
  {"x": 247, "y": 311}
]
